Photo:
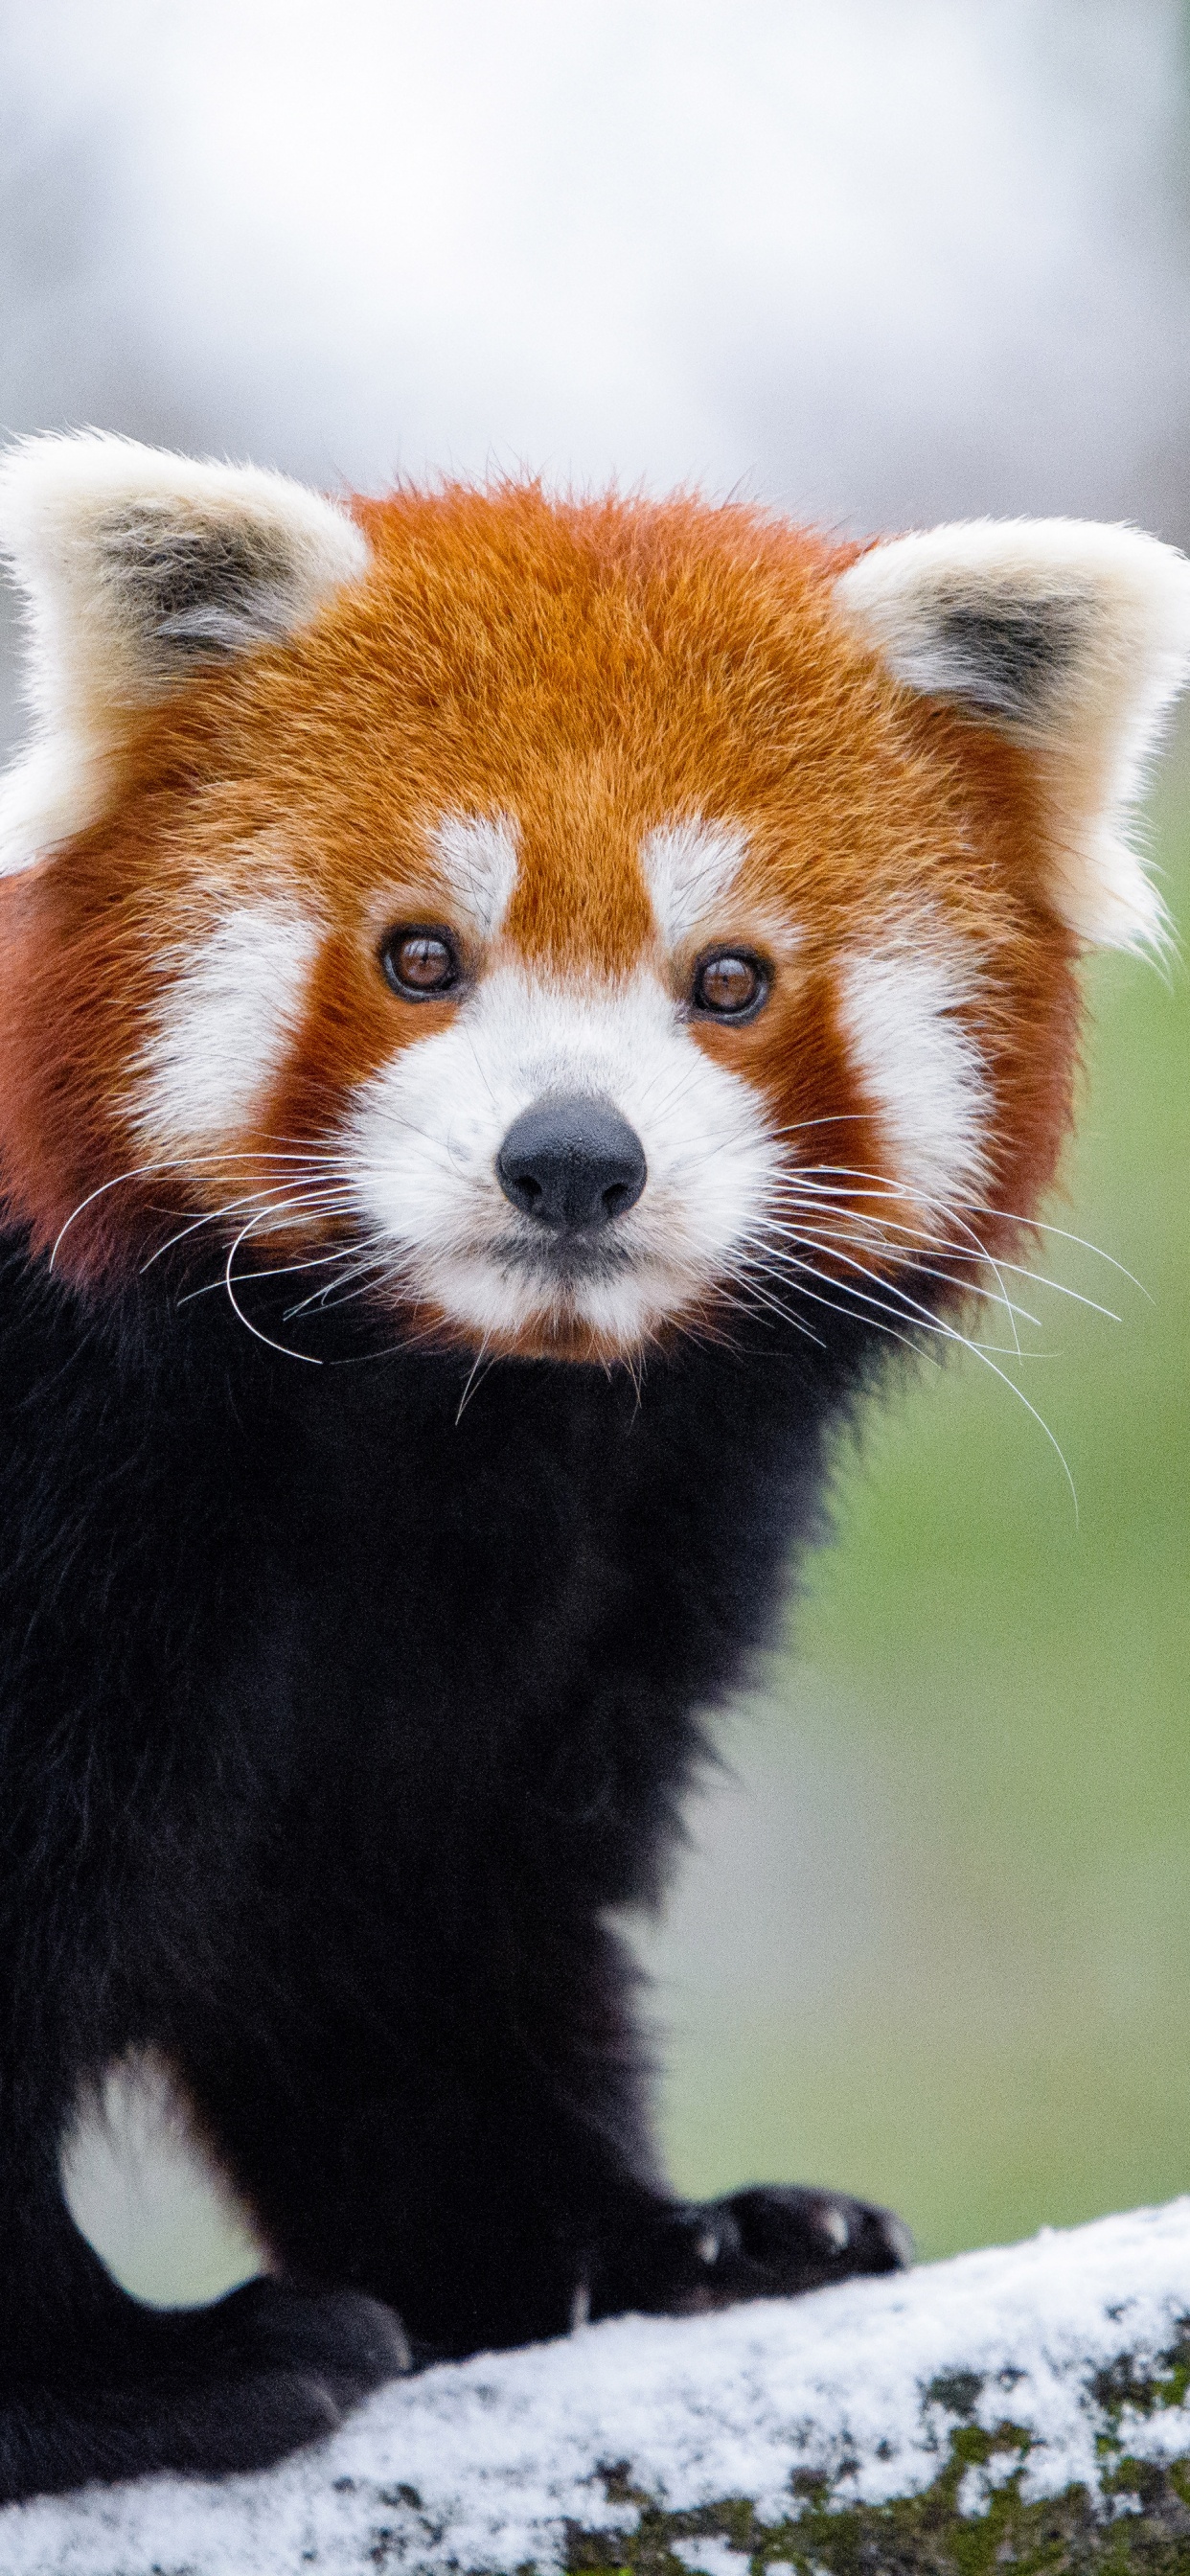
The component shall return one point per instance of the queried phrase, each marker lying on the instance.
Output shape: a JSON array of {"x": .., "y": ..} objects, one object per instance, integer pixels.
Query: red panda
[{"x": 510, "y": 1006}]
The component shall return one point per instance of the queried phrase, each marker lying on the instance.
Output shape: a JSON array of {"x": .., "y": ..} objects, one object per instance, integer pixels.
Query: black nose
[{"x": 572, "y": 1164}]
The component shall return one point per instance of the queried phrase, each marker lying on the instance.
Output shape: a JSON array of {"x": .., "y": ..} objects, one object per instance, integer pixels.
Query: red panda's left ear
[{"x": 1072, "y": 639}]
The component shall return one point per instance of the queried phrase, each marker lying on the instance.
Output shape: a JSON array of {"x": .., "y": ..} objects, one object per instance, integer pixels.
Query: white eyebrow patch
[
  {"x": 688, "y": 868},
  {"x": 921, "y": 1066},
  {"x": 225, "y": 1025},
  {"x": 479, "y": 855}
]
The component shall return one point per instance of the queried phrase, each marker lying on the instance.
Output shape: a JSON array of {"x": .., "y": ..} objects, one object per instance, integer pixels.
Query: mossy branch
[{"x": 1027, "y": 2409}]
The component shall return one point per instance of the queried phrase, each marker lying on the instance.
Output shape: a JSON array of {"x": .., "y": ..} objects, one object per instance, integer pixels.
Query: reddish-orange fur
[{"x": 593, "y": 669}]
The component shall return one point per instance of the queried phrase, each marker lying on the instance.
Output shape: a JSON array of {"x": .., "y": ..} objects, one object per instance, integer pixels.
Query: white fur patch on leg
[
  {"x": 689, "y": 868},
  {"x": 478, "y": 855},
  {"x": 225, "y": 1022},
  {"x": 921, "y": 1068},
  {"x": 149, "y": 2198}
]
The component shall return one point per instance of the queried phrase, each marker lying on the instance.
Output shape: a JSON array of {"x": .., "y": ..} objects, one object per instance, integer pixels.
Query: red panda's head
[{"x": 554, "y": 922}]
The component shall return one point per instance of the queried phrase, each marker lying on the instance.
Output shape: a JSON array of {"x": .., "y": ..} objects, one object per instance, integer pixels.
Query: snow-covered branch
[{"x": 1018, "y": 2407}]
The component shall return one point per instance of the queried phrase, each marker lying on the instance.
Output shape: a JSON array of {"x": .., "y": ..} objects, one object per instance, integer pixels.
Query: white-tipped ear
[
  {"x": 1069, "y": 637},
  {"x": 137, "y": 567}
]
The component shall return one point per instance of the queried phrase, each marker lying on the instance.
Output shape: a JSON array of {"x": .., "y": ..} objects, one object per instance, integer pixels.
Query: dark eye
[
  {"x": 420, "y": 963},
  {"x": 731, "y": 984}
]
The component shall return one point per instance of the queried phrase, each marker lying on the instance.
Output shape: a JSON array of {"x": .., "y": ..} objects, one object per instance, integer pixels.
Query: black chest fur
[
  {"x": 335, "y": 1712},
  {"x": 250, "y": 1598}
]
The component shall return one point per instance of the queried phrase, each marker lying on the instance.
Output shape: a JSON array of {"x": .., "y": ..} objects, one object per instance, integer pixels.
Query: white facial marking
[
  {"x": 224, "y": 1026},
  {"x": 479, "y": 856},
  {"x": 422, "y": 1139},
  {"x": 922, "y": 1066},
  {"x": 689, "y": 868}
]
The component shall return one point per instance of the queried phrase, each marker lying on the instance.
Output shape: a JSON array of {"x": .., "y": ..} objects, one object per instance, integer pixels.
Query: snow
[{"x": 500, "y": 2452}]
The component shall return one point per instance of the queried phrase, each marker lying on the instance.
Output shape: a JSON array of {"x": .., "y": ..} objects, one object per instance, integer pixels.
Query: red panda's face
[{"x": 575, "y": 929}]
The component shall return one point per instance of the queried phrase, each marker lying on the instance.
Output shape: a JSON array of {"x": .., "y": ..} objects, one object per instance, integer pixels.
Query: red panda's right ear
[
  {"x": 1070, "y": 639},
  {"x": 136, "y": 567}
]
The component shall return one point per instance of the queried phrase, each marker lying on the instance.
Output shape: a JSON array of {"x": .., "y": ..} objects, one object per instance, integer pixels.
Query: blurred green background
[{"x": 934, "y": 1945}]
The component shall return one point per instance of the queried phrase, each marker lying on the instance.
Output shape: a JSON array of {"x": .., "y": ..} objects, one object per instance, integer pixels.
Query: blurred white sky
[{"x": 873, "y": 260}]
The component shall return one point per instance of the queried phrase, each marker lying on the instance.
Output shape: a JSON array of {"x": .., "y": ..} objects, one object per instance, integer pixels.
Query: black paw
[
  {"x": 337, "y": 2341},
  {"x": 202, "y": 2391},
  {"x": 770, "y": 2242},
  {"x": 795, "y": 2239}
]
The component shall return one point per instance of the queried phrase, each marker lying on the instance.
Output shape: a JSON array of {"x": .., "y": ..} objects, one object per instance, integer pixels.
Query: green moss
[
  {"x": 1121, "y": 2385},
  {"x": 1138, "y": 2526}
]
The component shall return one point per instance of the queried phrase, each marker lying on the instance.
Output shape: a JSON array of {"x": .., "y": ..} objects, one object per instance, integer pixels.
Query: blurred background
[{"x": 876, "y": 263}]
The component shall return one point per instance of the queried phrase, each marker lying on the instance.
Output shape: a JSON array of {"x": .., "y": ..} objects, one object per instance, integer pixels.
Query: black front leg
[
  {"x": 487, "y": 2172},
  {"x": 467, "y": 2169}
]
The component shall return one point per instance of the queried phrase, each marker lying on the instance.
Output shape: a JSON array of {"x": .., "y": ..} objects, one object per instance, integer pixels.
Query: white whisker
[{"x": 476, "y": 1372}]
